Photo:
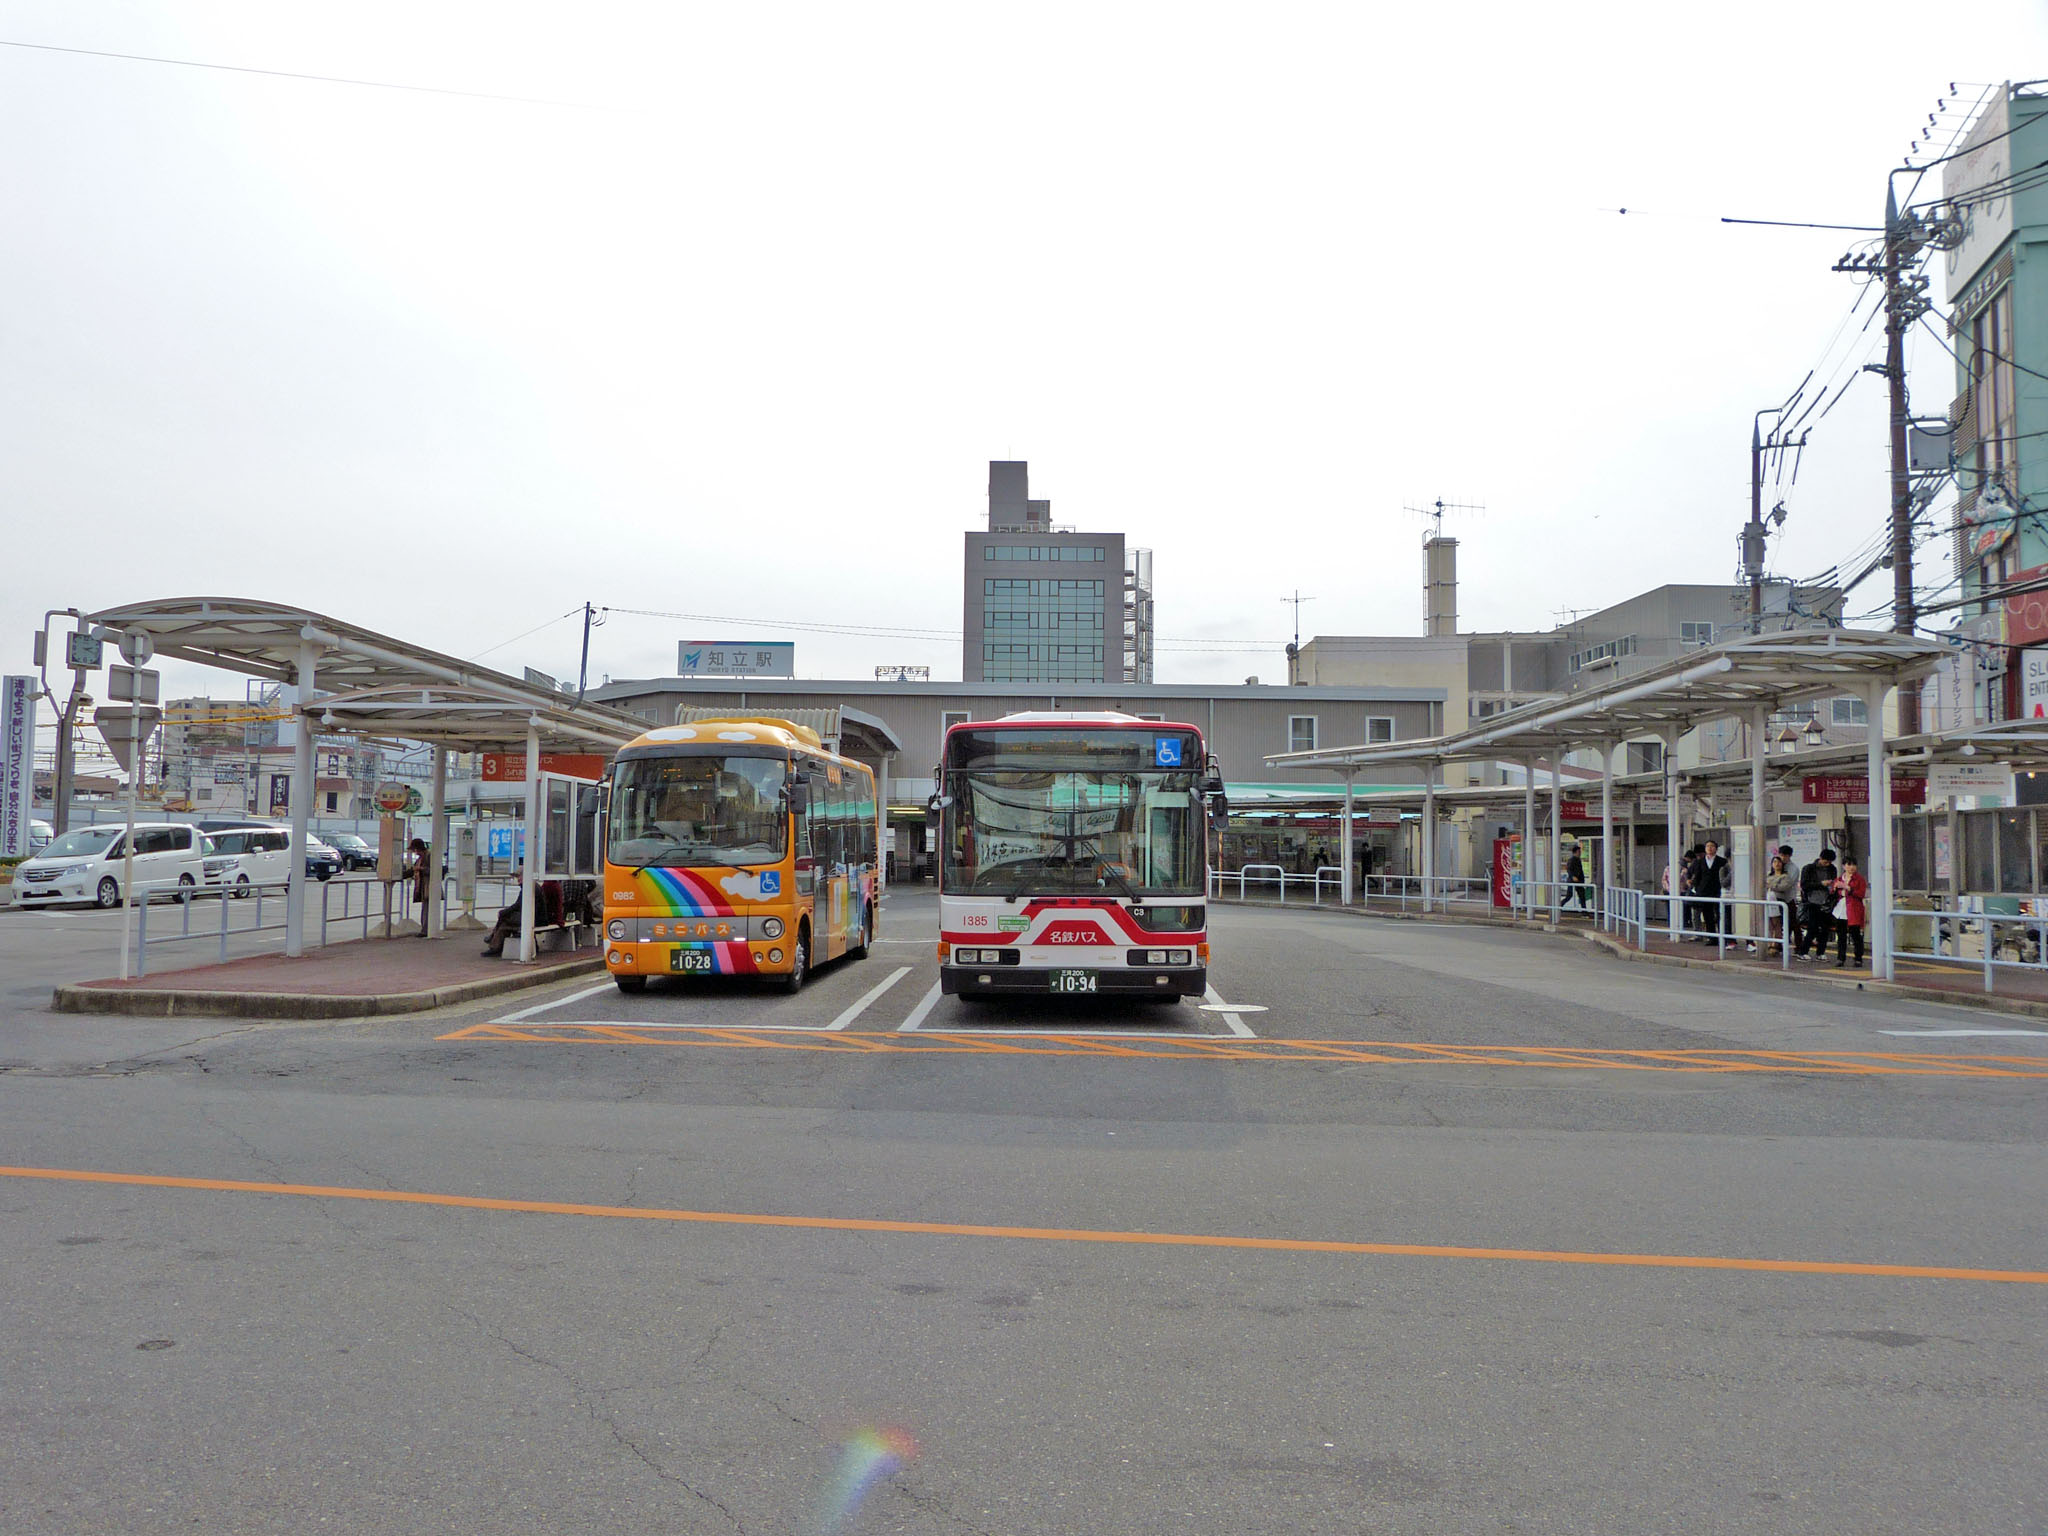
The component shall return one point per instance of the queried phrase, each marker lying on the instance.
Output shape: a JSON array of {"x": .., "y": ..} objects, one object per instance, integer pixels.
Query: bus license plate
[
  {"x": 690, "y": 960},
  {"x": 1073, "y": 981}
]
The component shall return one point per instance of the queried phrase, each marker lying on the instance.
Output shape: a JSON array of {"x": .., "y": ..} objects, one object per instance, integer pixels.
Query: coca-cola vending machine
[{"x": 1507, "y": 865}]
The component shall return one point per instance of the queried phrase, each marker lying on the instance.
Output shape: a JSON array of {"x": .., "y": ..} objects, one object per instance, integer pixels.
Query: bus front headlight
[
  {"x": 617, "y": 928},
  {"x": 771, "y": 928}
]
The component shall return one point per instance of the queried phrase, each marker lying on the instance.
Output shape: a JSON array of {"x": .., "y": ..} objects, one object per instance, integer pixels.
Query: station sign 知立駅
[
  {"x": 510, "y": 767},
  {"x": 736, "y": 658},
  {"x": 1854, "y": 789}
]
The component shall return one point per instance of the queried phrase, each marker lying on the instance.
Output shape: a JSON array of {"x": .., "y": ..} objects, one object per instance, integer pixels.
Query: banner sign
[
  {"x": 510, "y": 767},
  {"x": 1847, "y": 789},
  {"x": 1575, "y": 810},
  {"x": 1658, "y": 806},
  {"x": 1946, "y": 779},
  {"x": 17, "y": 763}
]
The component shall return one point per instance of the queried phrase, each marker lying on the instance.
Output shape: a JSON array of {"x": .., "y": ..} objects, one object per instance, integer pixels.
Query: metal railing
[
  {"x": 189, "y": 898},
  {"x": 1326, "y": 878},
  {"x": 1648, "y": 914},
  {"x": 360, "y": 900},
  {"x": 1439, "y": 892},
  {"x": 1951, "y": 931}
]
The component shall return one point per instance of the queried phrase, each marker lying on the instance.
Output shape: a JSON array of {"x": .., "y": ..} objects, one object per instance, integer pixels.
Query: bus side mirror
[
  {"x": 1212, "y": 786},
  {"x": 797, "y": 794}
]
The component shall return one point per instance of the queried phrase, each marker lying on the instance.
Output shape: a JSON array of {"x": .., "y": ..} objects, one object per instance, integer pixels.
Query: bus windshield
[
  {"x": 1016, "y": 832},
  {"x": 699, "y": 808}
]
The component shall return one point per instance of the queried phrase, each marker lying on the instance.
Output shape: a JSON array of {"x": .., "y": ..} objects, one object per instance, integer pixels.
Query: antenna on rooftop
[{"x": 1435, "y": 513}]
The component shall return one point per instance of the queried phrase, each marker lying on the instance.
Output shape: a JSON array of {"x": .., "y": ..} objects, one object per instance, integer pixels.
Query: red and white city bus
[{"x": 1075, "y": 856}]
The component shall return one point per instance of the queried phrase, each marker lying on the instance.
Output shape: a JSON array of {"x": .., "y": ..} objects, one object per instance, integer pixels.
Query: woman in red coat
[{"x": 1850, "y": 888}]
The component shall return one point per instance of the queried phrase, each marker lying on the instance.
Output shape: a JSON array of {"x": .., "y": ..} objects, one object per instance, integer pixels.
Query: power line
[{"x": 288, "y": 74}]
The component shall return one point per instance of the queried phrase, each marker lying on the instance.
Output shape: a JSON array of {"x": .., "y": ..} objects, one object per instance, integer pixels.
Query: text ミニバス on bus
[
  {"x": 737, "y": 848},
  {"x": 1075, "y": 857}
]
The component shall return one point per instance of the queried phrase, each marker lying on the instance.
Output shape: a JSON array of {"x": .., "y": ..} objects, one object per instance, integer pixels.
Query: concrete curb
[
  {"x": 169, "y": 1002},
  {"x": 1988, "y": 1002}
]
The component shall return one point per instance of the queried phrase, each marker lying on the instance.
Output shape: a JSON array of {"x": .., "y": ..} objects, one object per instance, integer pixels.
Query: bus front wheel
[{"x": 799, "y": 961}]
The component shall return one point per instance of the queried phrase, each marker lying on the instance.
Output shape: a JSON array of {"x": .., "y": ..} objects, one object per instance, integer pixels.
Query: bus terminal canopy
[
  {"x": 1733, "y": 679},
  {"x": 361, "y": 683},
  {"x": 1747, "y": 678}
]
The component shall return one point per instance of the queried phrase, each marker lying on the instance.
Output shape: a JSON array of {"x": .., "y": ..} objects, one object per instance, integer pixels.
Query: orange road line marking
[
  {"x": 1380, "y": 1052},
  {"x": 1038, "y": 1234}
]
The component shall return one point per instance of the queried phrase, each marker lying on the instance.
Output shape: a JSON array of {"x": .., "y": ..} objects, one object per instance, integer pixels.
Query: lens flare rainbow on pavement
[{"x": 870, "y": 1455}]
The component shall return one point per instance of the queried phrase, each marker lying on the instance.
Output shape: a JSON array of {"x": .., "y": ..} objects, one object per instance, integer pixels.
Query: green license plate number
[
  {"x": 691, "y": 960},
  {"x": 1073, "y": 981}
]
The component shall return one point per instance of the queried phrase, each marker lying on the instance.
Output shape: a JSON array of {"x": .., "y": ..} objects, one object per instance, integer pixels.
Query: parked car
[
  {"x": 39, "y": 835},
  {"x": 262, "y": 855},
  {"x": 355, "y": 852},
  {"x": 85, "y": 864},
  {"x": 323, "y": 862}
]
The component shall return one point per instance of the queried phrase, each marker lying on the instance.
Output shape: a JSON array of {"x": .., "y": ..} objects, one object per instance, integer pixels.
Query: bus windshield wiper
[{"x": 1111, "y": 871}]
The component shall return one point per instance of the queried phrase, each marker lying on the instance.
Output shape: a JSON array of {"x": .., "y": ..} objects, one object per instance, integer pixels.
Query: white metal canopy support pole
[
  {"x": 1606, "y": 829},
  {"x": 301, "y": 801},
  {"x": 1877, "y": 861},
  {"x": 1556, "y": 832},
  {"x": 1759, "y": 720},
  {"x": 1529, "y": 836},
  {"x": 433, "y": 915},
  {"x": 128, "y": 836},
  {"x": 1671, "y": 860},
  {"x": 534, "y": 815},
  {"x": 1345, "y": 862},
  {"x": 1428, "y": 829}
]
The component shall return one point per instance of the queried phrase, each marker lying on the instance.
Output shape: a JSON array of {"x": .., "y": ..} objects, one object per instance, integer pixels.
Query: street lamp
[
  {"x": 1787, "y": 739},
  {"x": 1816, "y": 733}
]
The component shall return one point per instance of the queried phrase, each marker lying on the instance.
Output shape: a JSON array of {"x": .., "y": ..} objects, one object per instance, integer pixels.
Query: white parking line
[
  {"x": 918, "y": 1014},
  {"x": 860, "y": 1004},
  {"x": 527, "y": 1013},
  {"x": 1956, "y": 1033},
  {"x": 1237, "y": 1025}
]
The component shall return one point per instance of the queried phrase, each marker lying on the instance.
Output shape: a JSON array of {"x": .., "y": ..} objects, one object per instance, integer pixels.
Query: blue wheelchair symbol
[
  {"x": 771, "y": 882},
  {"x": 1166, "y": 751}
]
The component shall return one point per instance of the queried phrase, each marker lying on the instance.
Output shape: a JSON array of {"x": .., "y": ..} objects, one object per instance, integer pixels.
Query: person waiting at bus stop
[
  {"x": 420, "y": 866},
  {"x": 1849, "y": 914},
  {"x": 1816, "y": 895}
]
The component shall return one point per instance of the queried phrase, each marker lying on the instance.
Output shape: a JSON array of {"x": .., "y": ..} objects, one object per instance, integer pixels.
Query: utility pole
[
  {"x": 1294, "y": 650},
  {"x": 1906, "y": 235},
  {"x": 1903, "y": 304},
  {"x": 1753, "y": 531},
  {"x": 590, "y": 618}
]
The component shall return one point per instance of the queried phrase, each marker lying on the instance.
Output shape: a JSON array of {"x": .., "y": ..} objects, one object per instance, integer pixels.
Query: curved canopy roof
[
  {"x": 1713, "y": 683},
  {"x": 366, "y": 683}
]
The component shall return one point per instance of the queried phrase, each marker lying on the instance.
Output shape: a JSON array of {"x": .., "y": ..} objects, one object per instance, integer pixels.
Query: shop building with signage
[{"x": 1997, "y": 326}]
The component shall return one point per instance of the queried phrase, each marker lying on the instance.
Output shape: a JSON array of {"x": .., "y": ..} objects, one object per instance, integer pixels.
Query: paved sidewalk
[
  {"x": 341, "y": 981},
  {"x": 2020, "y": 992}
]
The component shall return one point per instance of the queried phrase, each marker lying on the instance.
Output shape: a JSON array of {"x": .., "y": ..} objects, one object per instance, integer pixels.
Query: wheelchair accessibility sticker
[
  {"x": 771, "y": 882},
  {"x": 1166, "y": 751}
]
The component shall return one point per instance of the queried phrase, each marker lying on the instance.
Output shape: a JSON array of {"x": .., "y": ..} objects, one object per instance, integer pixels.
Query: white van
[
  {"x": 85, "y": 865},
  {"x": 263, "y": 856}
]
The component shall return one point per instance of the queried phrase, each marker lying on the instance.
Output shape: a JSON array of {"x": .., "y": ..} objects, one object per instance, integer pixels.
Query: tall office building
[{"x": 1050, "y": 604}]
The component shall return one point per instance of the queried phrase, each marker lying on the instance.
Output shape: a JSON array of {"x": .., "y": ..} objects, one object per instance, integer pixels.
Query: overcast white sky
[{"x": 737, "y": 329}]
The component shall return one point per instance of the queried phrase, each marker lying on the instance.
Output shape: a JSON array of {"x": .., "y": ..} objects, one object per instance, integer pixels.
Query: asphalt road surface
[{"x": 1405, "y": 1229}]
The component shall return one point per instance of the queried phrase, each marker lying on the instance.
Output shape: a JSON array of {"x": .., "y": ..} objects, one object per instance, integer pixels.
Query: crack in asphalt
[{"x": 589, "y": 1400}]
